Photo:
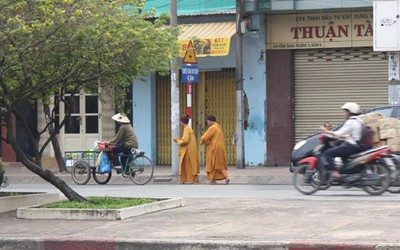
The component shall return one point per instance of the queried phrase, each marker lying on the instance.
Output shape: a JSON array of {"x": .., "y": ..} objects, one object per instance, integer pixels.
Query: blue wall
[
  {"x": 144, "y": 114},
  {"x": 144, "y": 103},
  {"x": 254, "y": 74}
]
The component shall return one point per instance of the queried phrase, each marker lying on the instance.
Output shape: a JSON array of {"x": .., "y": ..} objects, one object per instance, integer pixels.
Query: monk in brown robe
[
  {"x": 216, "y": 163},
  {"x": 189, "y": 160}
]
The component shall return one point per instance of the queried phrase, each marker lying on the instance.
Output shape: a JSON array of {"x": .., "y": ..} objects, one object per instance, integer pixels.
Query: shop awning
[{"x": 209, "y": 39}]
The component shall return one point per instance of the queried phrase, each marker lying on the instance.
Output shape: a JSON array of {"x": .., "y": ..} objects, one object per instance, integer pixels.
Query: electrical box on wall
[
  {"x": 251, "y": 24},
  {"x": 255, "y": 23},
  {"x": 386, "y": 25},
  {"x": 256, "y": 6}
]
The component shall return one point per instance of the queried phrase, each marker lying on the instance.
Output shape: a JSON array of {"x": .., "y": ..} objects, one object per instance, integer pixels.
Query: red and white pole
[{"x": 189, "y": 102}]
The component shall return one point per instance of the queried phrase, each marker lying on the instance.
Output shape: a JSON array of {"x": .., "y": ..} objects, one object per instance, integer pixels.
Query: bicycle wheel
[
  {"x": 101, "y": 179},
  {"x": 80, "y": 173},
  {"x": 305, "y": 180},
  {"x": 141, "y": 170}
]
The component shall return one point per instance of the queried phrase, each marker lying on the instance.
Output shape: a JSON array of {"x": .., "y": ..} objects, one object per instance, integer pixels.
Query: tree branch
[{"x": 36, "y": 168}]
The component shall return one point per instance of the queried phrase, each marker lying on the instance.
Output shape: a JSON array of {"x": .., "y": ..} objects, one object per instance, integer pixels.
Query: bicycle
[{"x": 137, "y": 167}]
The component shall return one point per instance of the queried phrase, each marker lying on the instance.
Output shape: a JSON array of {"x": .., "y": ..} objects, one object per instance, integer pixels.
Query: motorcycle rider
[{"x": 351, "y": 132}]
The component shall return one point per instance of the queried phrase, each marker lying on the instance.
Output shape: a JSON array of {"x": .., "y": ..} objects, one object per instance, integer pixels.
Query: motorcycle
[{"x": 366, "y": 170}]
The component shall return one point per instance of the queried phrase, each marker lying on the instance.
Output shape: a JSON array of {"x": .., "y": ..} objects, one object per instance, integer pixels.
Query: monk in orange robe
[
  {"x": 216, "y": 163},
  {"x": 189, "y": 160}
]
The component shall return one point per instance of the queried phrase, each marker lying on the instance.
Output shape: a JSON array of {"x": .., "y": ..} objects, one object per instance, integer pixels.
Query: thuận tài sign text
[{"x": 320, "y": 30}]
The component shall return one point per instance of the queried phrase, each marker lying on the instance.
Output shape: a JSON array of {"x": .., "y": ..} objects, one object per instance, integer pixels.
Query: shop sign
[
  {"x": 320, "y": 30},
  {"x": 207, "y": 47}
]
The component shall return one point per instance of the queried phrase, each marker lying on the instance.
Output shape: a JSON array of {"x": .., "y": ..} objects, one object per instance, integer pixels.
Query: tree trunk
[
  {"x": 54, "y": 141},
  {"x": 46, "y": 174}
]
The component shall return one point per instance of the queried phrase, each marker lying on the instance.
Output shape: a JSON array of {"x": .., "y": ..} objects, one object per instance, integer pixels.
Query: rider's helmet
[{"x": 352, "y": 107}]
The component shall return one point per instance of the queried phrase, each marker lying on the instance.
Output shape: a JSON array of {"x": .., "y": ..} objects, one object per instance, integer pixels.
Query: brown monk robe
[
  {"x": 189, "y": 160},
  {"x": 216, "y": 163}
]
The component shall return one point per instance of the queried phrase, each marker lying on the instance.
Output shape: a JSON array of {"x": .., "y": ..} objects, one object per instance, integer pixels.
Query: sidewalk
[
  {"x": 216, "y": 223},
  {"x": 16, "y": 173},
  {"x": 220, "y": 224}
]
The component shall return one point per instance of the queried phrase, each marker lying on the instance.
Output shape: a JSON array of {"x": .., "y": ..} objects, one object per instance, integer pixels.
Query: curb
[
  {"x": 37, "y": 213},
  {"x": 161, "y": 179},
  {"x": 330, "y": 246},
  {"x": 156, "y": 244},
  {"x": 9, "y": 203}
]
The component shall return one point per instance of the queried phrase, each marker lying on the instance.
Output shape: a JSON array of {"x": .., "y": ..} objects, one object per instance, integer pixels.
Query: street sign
[
  {"x": 190, "y": 74},
  {"x": 394, "y": 61},
  {"x": 190, "y": 55}
]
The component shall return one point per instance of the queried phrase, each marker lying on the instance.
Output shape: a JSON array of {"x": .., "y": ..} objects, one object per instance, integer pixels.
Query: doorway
[{"x": 83, "y": 126}]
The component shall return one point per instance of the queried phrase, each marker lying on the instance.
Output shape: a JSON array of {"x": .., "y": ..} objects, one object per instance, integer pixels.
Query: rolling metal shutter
[
  {"x": 163, "y": 109},
  {"x": 326, "y": 79},
  {"x": 220, "y": 101},
  {"x": 215, "y": 94}
]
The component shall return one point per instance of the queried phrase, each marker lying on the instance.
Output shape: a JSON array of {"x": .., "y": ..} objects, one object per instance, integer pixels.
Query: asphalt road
[{"x": 269, "y": 192}]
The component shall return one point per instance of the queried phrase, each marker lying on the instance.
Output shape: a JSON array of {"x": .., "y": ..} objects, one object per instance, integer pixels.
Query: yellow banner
[
  {"x": 320, "y": 30},
  {"x": 207, "y": 47}
]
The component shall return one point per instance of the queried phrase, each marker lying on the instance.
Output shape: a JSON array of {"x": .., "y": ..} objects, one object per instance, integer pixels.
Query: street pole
[
  {"x": 239, "y": 88},
  {"x": 175, "y": 131},
  {"x": 189, "y": 102}
]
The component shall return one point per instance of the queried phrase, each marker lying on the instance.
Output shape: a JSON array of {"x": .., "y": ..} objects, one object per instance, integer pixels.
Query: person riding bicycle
[
  {"x": 124, "y": 140},
  {"x": 351, "y": 132}
]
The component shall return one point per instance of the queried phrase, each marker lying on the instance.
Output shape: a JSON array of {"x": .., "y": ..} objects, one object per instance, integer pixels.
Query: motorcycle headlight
[{"x": 299, "y": 145}]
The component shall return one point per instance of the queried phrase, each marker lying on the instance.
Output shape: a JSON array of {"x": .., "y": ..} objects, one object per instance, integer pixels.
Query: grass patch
[{"x": 101, "y": 203}]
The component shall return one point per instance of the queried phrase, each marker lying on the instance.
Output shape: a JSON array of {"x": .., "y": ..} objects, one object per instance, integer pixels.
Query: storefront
[
  {"x": 214, "y": 94},
  {"x": 332, "y": 62},
  {"x": 213, "y": 38}
]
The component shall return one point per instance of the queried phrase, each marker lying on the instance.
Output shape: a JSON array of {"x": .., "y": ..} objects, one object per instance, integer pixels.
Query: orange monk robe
[
  {"x": 216, "y": 163},
  {"x": 189, "y": 160}
]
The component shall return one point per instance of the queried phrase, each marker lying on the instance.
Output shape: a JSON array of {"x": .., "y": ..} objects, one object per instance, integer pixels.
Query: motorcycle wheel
[
  {"x": 325, "y": 186},
  {"x": 394, "y": 187},
  {"x": 305, "y": 180},
  {"x": 384, "y": 173}
]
